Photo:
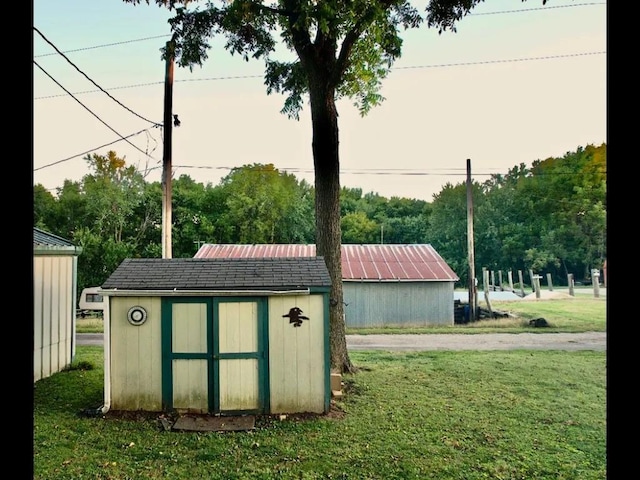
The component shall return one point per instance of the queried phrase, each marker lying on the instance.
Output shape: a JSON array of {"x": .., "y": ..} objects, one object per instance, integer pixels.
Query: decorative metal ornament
[
  {"x": 295, "y": 316},
  {"x": 137, "y": 315}
]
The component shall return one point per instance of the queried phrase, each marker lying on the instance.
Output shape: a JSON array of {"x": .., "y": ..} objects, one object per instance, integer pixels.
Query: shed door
[{"x": 216, "y": 355}]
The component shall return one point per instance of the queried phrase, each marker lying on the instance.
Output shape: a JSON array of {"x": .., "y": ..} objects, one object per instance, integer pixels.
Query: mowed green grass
[{"x": 430, "y": 415}]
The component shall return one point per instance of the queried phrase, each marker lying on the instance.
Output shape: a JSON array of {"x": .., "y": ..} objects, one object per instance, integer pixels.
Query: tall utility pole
[
  {"x": 472, "y": 270},
  {"x": 166, "y": 155}
]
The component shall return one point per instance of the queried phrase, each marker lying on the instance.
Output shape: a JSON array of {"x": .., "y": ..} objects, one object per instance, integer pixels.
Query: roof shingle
[{"x": 198, "y": 274}]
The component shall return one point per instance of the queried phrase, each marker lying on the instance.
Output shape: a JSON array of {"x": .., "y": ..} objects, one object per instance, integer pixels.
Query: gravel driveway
[
  {"x": 482, "y": 341},
  {"x": 448, "y": 341}
]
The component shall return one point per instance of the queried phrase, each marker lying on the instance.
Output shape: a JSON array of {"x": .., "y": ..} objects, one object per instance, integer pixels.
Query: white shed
[
  {"x": 55, "y": 265},
  {"x": 218, "y": 336}
]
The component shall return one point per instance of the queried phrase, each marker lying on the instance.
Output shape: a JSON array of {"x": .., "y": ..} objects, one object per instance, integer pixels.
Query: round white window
[{"x": 137, "y": 315}]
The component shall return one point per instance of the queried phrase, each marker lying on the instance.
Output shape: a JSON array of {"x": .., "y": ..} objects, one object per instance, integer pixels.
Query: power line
[
  {"x": 524, "y": 10},
  {"x": 89, "y": 110},
  {"x": 448, "y": 172},
  {"x": 105, "y": 45},
  {"x": 441, "y": 65},
  {"x": 511, "y": 60},
  {"x": 471, "y": 14},
  {"x": 87, "y": 77},
  {"x": 89, "y": 151}
]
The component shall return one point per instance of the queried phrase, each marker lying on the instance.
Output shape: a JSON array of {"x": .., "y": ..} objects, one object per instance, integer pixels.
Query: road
[{"x": 447, "y": 341}]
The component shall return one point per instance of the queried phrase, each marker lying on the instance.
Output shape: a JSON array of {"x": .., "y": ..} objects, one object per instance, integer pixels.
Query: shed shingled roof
[
  {"x": 42, "y": 238},
  {"x": 197, "y": 274},
  {"x": 383, "y": 262}
]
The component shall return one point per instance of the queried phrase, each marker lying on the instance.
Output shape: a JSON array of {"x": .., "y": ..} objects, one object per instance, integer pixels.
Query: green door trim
[{"x": 213, "y": 355}]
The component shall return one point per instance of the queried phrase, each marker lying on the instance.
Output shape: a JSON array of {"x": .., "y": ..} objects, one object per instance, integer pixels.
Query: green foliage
[
  {"x": 358, "y": 229},
  {"x": 263, "y": 205},
  {"x": 550, "y": 217},
  {"x": 515, "y": 228}
]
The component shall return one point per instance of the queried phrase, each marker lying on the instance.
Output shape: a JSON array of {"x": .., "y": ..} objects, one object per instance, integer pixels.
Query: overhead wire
[
  {"x": 259, "y": 76},
  {"x": 99, "y": 87},
  {"x": 89, "y": 151},
  {"x": 91, "y": 112},
  {"x": 441, "y": 65}
]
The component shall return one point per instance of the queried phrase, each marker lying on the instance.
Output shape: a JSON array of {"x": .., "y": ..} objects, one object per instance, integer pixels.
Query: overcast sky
[{"x": 517, "y": 82}]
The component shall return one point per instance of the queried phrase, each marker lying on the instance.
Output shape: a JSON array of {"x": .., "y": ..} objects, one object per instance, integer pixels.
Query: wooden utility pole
[
  {"x": 473, "y": 299},
  {"x": 166, "y": 156}
]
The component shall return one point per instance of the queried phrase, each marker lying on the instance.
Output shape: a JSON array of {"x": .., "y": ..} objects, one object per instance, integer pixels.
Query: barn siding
[
  {"x": 379, "y": 304},
  {"x": 53, "y": 282}
]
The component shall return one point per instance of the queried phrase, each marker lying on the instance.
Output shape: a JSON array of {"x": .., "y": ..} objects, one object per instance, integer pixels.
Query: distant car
[{"x": 91, "y": 302}]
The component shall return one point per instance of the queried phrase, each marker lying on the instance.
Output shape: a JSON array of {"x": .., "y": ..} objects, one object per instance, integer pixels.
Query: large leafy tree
[
  {"x": 342, "y": 49},
  {"x": 264, "y": 205}
]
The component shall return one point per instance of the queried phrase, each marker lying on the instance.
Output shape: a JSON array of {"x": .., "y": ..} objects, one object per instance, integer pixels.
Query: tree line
[{"x": 549, "y": 217}]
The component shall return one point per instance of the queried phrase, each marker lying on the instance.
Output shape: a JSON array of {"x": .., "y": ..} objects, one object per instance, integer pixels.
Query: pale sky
[{"x": 517, "y": 82}]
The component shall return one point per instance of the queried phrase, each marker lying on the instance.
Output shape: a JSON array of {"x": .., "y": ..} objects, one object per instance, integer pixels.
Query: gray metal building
[
  {"x": 384, "y": 285},
  {"x": 55, "y": 265}
]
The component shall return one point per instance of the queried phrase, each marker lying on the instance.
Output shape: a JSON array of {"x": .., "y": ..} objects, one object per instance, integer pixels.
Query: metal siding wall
[
  {"x": 136, "y": 374},
  {"x": 296, "y": 356},
  {"x": 378, "y": 304},
  {"x": 52, "y": 314}
]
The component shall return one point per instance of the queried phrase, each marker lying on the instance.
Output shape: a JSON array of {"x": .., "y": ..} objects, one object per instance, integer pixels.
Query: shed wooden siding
[
  {"x": 53, "y": 314},
  {"x": 238, "y": 331},
  {"x": 136, "y": 366},
  {"x": 297, "y": 367},
  {"x": 297, "y": 364},
  {"x": 398, "y": 304}
]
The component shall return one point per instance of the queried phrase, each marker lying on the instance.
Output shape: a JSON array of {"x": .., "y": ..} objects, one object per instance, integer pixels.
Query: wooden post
[
  {"x": 510, "y": 277},
  {"x": 500, "y": 281},
  {"x": 486, "y": 296},
  {"x": 166, "y": 158},
  {"x": 536, "y": 282},
  {"x": 533, "y": 283},
  {"x": 549, "y": 283},
  {"x": 595, "y": 281},
  {"x": 493, "y": 280},
  {"x": 470, "y": 247},
  {"x": 570, "y": 281},
  {"x": 485, "y": 282},
  {"x": 521, "y": 280}
]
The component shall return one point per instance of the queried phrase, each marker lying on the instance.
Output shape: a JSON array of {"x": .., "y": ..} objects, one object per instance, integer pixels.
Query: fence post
[
  {"x": 521, "y": 280},
  {"x": 533, "y": 283},
  {"x": 549, "y": 283},
  {"x": 595, "y": 280},
  {"x": 536, "y": 281},
  {"x": 486, "y": 295},
  {"x": 571, "y": 284}
]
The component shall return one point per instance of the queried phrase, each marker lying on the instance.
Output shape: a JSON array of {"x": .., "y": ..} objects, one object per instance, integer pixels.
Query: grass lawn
[{"x": 429, "y": 415}]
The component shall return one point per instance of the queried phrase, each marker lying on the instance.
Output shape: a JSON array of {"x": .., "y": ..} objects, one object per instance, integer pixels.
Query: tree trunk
[{"x": 324, "y": 118}]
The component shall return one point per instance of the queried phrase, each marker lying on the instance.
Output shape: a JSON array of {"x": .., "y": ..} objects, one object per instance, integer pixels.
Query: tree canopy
[{"x": 339, "y": 49}]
